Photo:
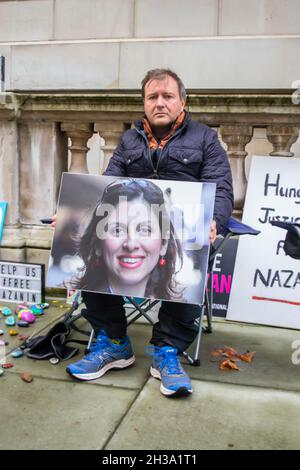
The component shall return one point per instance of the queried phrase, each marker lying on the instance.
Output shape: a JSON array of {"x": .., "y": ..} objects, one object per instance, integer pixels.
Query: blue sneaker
[
  {"x": 166, "y": 367},
  {"x": 104, "y": 355}
]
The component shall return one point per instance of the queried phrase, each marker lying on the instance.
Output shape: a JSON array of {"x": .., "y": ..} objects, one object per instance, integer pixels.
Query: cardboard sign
[
  {"x": 266, "y": 282},
  {"x": 3, "y": 207},
  {"x": 22, "y": 282},
  {"x": 132, "y": 237}
]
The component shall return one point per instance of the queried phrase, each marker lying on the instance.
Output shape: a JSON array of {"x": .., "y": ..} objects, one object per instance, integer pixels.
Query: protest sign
[
  {"x": 22, "y": 282},
  {"x": 266, "y": 282},
  {"x": 132, "y": 237}
]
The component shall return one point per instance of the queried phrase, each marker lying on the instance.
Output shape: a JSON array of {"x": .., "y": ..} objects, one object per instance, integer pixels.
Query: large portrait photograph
[{"x": 132, "y": 237}]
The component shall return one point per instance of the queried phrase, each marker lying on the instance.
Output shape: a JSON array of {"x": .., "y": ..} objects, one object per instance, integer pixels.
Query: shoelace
[
  {"x": 170, "y": 360},
  {"x": 97, "y": 347}
]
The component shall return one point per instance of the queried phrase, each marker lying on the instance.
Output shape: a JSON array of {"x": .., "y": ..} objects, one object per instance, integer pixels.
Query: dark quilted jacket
[{"x": 193, "y": 153}]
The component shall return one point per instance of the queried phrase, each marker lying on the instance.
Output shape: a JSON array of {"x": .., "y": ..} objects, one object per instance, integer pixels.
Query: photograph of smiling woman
[{"x": 130, "y": 246}]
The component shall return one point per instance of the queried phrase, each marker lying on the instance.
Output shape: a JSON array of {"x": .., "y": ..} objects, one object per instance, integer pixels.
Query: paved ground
[{"x": 257, "y": 407}]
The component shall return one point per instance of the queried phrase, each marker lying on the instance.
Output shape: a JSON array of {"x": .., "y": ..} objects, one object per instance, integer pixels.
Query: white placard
[{"x": 266, "y": 282}]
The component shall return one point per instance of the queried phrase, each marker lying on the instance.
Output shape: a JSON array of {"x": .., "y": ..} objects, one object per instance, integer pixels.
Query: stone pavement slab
[
  {"x": 216, "y": 416},
  {"x": 272, "y": 364},
  {"x": 52, "y": 414}
]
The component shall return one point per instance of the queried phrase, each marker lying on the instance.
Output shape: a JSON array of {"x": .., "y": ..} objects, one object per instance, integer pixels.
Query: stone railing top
[{"x": 259, "y": 108}]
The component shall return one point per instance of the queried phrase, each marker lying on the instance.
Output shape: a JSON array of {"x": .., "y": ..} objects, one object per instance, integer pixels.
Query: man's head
[{"x": 164, "y": 98}]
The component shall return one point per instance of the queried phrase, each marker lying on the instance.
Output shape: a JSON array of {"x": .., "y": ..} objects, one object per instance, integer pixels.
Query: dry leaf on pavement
[
  {"x": 247, "y": 356},
  {"x": 228, "y": 364}
]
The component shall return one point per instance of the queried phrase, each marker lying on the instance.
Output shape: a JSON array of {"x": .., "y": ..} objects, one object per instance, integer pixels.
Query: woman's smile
[{"x": 130, "y": 261}]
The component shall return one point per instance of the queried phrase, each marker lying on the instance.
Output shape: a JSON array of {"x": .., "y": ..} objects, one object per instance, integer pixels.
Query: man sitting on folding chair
[{"x": 166, "y": 144}]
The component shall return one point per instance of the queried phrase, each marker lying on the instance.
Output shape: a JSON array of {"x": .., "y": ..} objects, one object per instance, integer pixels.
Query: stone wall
[
  {"x": 109, "y": 44},
  {"x": 43, "y": 20}
]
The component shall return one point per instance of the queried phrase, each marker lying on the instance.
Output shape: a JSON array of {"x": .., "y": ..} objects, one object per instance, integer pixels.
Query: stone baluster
[
  {"x": 282, "y": 137},
  {"x": 79, "y": 134},
  {"x": 110, "y": 131},
  {"x": 236, "y": 138}
]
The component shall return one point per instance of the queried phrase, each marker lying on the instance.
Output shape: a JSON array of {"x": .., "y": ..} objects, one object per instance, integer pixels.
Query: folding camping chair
[{"x": 141, "y": 309}]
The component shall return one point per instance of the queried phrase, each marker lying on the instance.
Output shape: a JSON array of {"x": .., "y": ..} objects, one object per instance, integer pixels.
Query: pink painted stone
[
  {"x": 23, "y": 310},
  {"x": 28, "y": 316}
]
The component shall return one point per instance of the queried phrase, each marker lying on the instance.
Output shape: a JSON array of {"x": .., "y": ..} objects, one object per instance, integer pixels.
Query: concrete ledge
[
  {"x": 68, "y": 66},
  {"x": 202, "y": 63},
  {"x": 257, "y": 63}
]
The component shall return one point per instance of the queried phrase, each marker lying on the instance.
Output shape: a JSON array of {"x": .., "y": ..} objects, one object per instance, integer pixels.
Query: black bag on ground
[{"x": 53, "y": 344}]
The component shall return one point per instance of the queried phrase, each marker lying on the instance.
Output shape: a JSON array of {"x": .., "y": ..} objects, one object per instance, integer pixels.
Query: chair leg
[
  {"x": 90, "y": 339},
  {"x": 195, "y": 361},
  {"x": 209, "y": 306}
]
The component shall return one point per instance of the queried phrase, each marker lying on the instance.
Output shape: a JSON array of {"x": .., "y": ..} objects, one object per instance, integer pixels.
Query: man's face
[{"x": 162, "y": 102}]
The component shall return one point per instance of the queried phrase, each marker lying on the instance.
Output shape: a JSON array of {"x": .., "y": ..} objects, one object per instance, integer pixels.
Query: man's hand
[
  {"x": 213, "y": 232},
  {"x": 54, "y": 217}
]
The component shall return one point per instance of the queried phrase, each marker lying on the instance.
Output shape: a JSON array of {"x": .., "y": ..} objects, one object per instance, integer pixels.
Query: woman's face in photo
[{"x": 133, "y": 244}]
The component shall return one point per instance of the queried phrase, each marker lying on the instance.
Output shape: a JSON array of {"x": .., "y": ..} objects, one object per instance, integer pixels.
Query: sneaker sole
[
  {"x": 182, "y": 391},
  {"x": 121, "y": 364}
]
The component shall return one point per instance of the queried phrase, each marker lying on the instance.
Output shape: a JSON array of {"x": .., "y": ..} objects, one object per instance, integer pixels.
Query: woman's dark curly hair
[{"x": 161, "y": 283}]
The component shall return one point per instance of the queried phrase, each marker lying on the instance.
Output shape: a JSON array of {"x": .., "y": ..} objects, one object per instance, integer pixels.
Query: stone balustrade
[{"x": 37, "y": 129}]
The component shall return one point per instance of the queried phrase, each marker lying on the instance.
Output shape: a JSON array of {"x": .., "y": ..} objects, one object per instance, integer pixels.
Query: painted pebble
[
  {"x": 22, "y": 311},
  {"x": 21, "y": 307},
  {"x": 1, "y": 332},
  {"x": 7, "y": 366},
  {"x": 27, "y": 316},
  {"x": 54, "y": 360},
  {"x": 23, "y": 324},
  {"x": 37, "y": 310},
  {"x": 1, "y": 371},
  {"x": 6, "y": 311},
  {"x": 13, "y": 332},
  {"x": 26, "y": 377},
  {"x": 17, "y": 353},
  {"x": 23, "y": 337},
  {"x": 10, "y": 321}
]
